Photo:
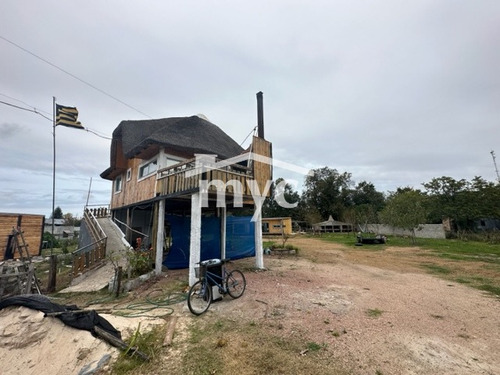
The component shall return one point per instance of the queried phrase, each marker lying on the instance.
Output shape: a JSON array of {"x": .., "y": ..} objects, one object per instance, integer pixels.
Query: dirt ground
[{"x": 375, "y": 312}]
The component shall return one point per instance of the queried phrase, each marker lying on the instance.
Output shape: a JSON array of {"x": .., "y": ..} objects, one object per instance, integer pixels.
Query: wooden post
[
  {"x": 118, "y": 280},
  {"x": 170, "y": 331},
  {"x": 51, "y": 287}
]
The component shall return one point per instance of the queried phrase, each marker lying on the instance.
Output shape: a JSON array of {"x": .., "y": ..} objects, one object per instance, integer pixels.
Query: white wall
[{"x": 427, "y": 230}]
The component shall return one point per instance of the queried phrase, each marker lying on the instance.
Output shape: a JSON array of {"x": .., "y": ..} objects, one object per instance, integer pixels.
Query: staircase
[{"x": 96, "y": 275}]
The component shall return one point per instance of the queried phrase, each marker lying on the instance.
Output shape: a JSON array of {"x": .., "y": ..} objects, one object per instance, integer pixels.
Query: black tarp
[{"x": 70, "y": 315}]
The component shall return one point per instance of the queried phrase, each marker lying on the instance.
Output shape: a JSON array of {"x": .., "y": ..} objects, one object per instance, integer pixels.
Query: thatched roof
[
  {"x": 330, "y": 222},
  {"x": 186, "y": 135}
]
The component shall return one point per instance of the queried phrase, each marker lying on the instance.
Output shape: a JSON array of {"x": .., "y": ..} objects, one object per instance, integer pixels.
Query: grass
[
  {"x": 374, "y": 313},
  {"x": 469, "y": 250},
  {"x": 434, "y": 268},
  {"x": 63, "y": 275},
  {"x": 149, "y": 342},
  {"x": 224, "y": 347},
  {"x": 474, "y": 263}
]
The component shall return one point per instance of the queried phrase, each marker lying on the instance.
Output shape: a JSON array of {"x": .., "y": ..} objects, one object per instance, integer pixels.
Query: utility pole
[{"x": 495, "y": 164}]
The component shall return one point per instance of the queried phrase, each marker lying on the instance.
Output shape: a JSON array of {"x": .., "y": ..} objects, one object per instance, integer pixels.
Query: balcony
[{"x": 185, "y": 178}]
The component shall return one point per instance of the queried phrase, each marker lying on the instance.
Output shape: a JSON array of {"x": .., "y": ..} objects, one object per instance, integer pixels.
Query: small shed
[
  {"x": 277, "y": 225},
  {"x": 31, "y": 227},
  {"x": 61, "y": 231},
  {"x": 332, "y": 226}
]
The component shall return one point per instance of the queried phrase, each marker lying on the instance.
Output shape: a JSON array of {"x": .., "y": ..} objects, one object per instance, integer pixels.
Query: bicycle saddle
[{"x": 211, "y": 262}]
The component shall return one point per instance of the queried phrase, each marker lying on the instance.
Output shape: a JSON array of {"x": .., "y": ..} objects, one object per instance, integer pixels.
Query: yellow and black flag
[{"x": 67, "y": 116}]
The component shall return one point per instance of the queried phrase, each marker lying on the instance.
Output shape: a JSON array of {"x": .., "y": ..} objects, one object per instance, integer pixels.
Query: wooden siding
[
  {"x": 274, "y": 225},
  {"x": 30, "y": 225},
  {"x": 133, "y": 191},
  {"x": 173, "y": 180},
  {"x": 262, "y": 172}
]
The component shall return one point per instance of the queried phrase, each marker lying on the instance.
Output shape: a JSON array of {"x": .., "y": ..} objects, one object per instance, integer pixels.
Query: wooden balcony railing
[{"x": 180, "y": 179}]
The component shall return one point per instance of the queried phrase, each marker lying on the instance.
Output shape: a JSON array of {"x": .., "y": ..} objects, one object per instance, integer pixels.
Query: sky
[{"x": 394, "y": 92}]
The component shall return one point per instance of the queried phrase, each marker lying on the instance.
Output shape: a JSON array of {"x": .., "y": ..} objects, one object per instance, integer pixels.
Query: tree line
[{"x": 329, "y": 192}]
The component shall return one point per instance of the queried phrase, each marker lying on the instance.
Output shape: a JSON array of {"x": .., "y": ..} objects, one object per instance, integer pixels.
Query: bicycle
[{"x": 200, "y": 295}]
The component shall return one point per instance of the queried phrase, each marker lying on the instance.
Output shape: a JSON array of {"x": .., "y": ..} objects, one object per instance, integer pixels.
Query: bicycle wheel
[
  {"x": 236, "y": 283},
  {"x": 199, "y": 297}
]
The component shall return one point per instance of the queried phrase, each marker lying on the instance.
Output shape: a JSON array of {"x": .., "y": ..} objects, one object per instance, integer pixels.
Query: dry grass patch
[{"x": 226, "y": 347}]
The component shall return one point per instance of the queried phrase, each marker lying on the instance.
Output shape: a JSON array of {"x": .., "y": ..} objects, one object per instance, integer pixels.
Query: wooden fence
[{"x": 90, "y": 256}]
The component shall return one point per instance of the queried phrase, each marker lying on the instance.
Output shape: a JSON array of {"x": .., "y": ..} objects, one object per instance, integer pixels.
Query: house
[
  {"x": 331, "y": 225},
  {"x": 31, "y": 227},
  {"x": 184, "y": 180},
  {"x": 61, "y": 231},
  {"x": 277, "y": 225}
]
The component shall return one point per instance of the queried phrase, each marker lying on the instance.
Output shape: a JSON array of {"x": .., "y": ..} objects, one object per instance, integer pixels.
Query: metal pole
[
  {"x": 88, "y": 195},
  {"x": 495, "y": 164},
  {"x": 53, "y": 170}
]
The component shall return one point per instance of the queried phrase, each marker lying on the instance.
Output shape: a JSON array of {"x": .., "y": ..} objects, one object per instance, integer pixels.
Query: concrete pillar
[
  {"x": 195, "y": 237},
  {"x": 259, "y": 251},
  {"x": 160, "y": 237},
  {"x": 223, "y": 212}
]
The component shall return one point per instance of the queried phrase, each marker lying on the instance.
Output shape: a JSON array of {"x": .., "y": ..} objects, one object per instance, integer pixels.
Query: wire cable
[
  {"x": 99, "y": 135},
  {"x": 73, "y": 76},
  {"x": 34, "y": 110},
  {"x": 26, "y": 104},
  {"x": 252, "y": 131}
]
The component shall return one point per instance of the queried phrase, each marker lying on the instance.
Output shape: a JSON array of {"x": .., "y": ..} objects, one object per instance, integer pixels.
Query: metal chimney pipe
[{"x": 260, "y": 115}]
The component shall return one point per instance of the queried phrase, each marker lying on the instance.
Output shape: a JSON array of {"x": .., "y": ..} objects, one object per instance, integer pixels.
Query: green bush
[
  {"x": 140, "y": 262},
  {"x": 50, "y": 239}
]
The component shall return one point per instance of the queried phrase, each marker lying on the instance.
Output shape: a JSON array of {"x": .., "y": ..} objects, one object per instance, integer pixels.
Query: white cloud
[{"x": 395, "y": 93}]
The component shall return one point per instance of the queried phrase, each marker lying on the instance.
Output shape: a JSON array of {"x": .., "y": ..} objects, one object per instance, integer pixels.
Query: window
[
  {"x": 171, "y": 162},
  {"x": 265, "y": 227},
  {"x": 118, "y": 184},
  {"x": 148, "y": 168},
  {"x": 129, "y": 174}
]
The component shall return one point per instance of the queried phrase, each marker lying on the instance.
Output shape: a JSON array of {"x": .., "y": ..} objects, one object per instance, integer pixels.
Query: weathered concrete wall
[{"x": 426, "y": 231}]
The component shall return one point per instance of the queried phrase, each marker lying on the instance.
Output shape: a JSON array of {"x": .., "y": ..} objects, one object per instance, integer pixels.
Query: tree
[
  {"x": 281, "y": 200},
  {"x": 327, "y": 192},
  {"x": 446, "y": 198},
  {"x": 405, "y": 209},
  {"x": 57, "y": 214},
  {"x": 462, "y": 201},
  {"x": 366, "y": 202},
  {"x": 69, "y": 220}
]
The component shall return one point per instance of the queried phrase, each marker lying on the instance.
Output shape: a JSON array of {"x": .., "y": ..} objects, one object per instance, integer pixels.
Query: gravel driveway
[{"x": 375, "y": 320}]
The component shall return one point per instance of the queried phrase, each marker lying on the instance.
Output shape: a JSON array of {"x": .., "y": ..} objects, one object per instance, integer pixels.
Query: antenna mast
[{"x": 495, "y": 163}]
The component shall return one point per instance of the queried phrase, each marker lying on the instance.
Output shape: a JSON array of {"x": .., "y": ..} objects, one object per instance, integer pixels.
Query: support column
[
  {"x": 128, "y": 232},
  {"x": 259, "y": 251},
  {"x": 160, "y": 237},
  {"x": 195, "y": 236},
  {"x": 223, "y": 212}
]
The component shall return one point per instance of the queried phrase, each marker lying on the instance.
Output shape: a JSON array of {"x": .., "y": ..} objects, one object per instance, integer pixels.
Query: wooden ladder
[{"x": 21, "y": 247}]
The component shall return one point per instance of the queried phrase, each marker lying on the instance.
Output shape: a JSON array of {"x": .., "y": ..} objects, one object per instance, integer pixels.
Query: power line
[
  {"x": 73, "y": 76},
  {"x": 26, "y": 104},
  {"x": 34, "y": 110},
  {"x": 95, "y": 133}
]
